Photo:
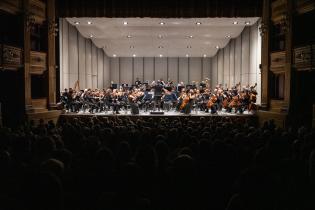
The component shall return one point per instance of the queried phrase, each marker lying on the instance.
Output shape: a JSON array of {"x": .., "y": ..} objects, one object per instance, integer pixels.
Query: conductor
[{"x": 158, "y": 90}]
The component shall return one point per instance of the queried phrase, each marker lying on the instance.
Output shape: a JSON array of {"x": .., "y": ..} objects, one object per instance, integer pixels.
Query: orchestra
[{"x": 161, "y": 95}]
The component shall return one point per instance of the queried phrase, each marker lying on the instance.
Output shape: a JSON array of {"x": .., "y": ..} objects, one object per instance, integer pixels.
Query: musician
[
  {"x": 187, "y": 102},
  {"x": 158, "y": 90},
  {"x": 115, "y": 101},
  {"x": 133, "y": 99},
  {"x": 137, "y": 82},
  {"x": 168, "y": 98}
]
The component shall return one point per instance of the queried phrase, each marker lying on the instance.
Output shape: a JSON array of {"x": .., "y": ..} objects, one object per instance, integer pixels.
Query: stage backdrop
[{"x": 81, "y": 60}]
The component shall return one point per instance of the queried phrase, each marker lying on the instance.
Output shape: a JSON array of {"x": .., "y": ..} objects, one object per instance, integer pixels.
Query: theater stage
[{"x": 195, "y": 115}]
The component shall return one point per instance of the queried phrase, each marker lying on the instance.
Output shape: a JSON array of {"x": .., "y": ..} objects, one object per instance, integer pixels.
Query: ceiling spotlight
[
  {"x": 217, "y": 47},
  {"x": 187, "y": 55},
  {"x": 89, "y": 23},
  {"x": 204, "y": 55},
  {"x": 162, "y": 23},
  {"x": 160, "y": 47},
  {"x": 228, "y": 36},
  {"x": 188, "y": 46},
  {"x": 125, "y": 23},
  {"x": 129, "y": 36},
  {"x": 235, "y": 22},
  {"x": 161, "y": 55},
  {"x": 91, "y": 36},
  {"x": 134, "y": 55},
  {"x": 114, "y": 55},
  {"x": 247, "y": 22},
  {"x": 198, "y": 23},
  {"x": 76, "y": 22},
  {"x": 131, "y": 47}
]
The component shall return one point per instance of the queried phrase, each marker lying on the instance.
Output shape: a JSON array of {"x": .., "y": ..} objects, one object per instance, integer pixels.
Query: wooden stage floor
[{"x": 195, "y": 115}]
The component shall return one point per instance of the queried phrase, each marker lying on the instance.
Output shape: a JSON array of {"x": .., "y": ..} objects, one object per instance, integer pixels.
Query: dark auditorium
[{"x": 157, "y": 105}]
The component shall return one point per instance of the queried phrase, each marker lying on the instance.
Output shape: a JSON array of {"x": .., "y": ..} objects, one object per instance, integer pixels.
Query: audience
[{"x": 156, "y": 163}]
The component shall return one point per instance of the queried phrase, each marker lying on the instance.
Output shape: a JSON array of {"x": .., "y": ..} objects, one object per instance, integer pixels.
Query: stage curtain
[{"x": 159, "y": 8}]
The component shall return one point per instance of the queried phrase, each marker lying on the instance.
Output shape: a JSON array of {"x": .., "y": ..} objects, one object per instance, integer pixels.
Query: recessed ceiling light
[
  {"x": 198, "y": 23},
  {"x": 76, "y": 22},
  {"x": 114, "y": 55},
  {"x": 217, "y": 47},
  {"x": 91, "y": 36},
  {"x": 188, "y": 46},
  {"x": 160, "y": 47},
  {"x": 187, "y": 55},
  {"x": 134, "y": 55},
  {"x": 228, "y": 36},
  {"x": 131, "y": 47},
  {"x": 161, "y": 55},
  {"x": 162, "y": 23},
  {"x": 247, "y": 22},
  {"x": 129, "y": 36},
  {"x": 89, "y": 22},
  {"x": 204, "y": 55},
  {"x": 235, "y": 22},
  {"x": 125, "y": 23}
]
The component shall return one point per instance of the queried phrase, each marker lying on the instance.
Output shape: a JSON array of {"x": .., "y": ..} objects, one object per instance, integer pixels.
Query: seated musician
[
  {"x": 115, "y": 101},
  {"x": 168, "y": 98},
  {"x": 187, "y": 102},
  {"x": 133, "y": 98}
]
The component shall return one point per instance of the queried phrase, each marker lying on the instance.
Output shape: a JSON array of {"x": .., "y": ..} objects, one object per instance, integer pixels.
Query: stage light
[
  {"x": 91, "y": 36},
  {"x": 198, "y": 23},
  {"x": 190, "y": 36},
  {"x": 77, "y": 23},
  {"x": 162, "y": 23},
  {"x": 161, "y": 55},
  {"x": 114, "y": 55},
  {"x": 235, "y": 22},
  {"x": 247, "y": 22},
  {"x": 129, "y": 36},
  {"x": 217, "y": 47},
  {"x": 187, "y": 55},
  {"x": 204, "y": 55},
  {"x": 125, "y": 23},
  {"x": 160, "y": 36},
  {"x": 134, "y": 55},
  {"x": 131, "y": 47},
  {"x": 228, "y": 36},
  {"x": 89, "y": 23}
]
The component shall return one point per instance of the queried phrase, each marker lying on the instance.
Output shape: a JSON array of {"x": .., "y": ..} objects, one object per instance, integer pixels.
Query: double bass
[
  {"x": 185, "y": 101},
  {"x": 213, "y": 99}
]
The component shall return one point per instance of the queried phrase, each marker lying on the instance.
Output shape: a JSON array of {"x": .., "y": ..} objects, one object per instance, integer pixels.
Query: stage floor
[{"x": 166, "y": 113}]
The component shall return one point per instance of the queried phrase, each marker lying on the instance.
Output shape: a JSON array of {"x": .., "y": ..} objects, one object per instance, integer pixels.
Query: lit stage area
[
  {"x": 194, "y": 64},
  {"x": 221, "y": 116},
  {"x": 170, "y": 113}
]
